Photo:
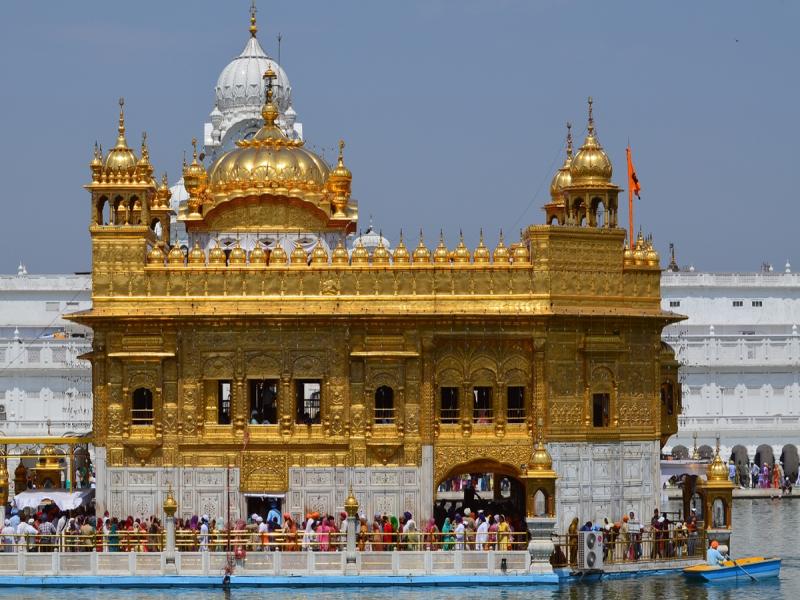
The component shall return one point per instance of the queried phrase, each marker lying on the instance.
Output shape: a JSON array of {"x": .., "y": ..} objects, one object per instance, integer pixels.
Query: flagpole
[{"x": 630, "y": 199}]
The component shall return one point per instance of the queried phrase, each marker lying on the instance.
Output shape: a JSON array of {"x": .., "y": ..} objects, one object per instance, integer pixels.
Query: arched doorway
[
  {"x": 791, "y": 461},
  {"x": 706, "y": 452},
  {"x": 680, "y": 452},
  {"x": 485, "y": 485},
  {"x": 764, "y": 455}
]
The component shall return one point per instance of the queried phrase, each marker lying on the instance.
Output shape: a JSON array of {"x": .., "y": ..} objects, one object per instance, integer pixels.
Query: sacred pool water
[{"x": 763, "y": 527}]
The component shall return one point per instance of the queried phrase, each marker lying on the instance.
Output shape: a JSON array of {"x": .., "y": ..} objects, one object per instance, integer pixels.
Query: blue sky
[{"x": 453, "y": 112}]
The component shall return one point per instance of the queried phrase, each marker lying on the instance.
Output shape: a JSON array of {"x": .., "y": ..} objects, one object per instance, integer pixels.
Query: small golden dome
[
  {"x": 521, "y": 254},
  {"x": 196, "y": 255},
  {"x": 380, "y": 256},
  {"x": 121, "y": 157},
  {"x": 163, "y": 195},
  {"x": 401, "y": 255},
  {"x": 541, "y": 459},
  {"x": 461, "y": 253},
  {"x": 481, "y": 254},
  {"x": 155, "y": 256},
  {"x": 144, "y": 169},
  {"x": 319, "y": 255},
  {"x": 440, "y": 253},
  {"x": 339, "y": 183},
  {"x": 351, "y": 504},
  {"x": 627, "y": 255},
  {"x": 340, "y": 256},
  {"x": 194, "y": 175},
  {"x": 717, "y": 470},
  {"x": 591, "y": 164},
  {"x": 562, "y": 178},
  {"x": 217, "y": 255},
  {"x": 651, "y": 255},
  {"x": 360, "y": 255},
  {"x": 278, "y": 256},
  {"x": 501, "y": 253},
  {"x": 97, "y": 157},
  {"x": 299, "y": 256},
  {"x": 238, "y": 255},
  {"x": 421, "y": 252},
  {"x": 175, "y": 256},
  {"x": 639, "y": 253},
  {"x": 258, "y": 256}
]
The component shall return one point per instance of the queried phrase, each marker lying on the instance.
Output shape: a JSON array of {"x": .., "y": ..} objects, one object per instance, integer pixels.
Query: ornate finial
[
  {"x": 253, "y": 28},
  {"x": 480, "y": 241},
  {"x": 341, "y": 153},
  {"x": 269, "y": 112},
  {"x": 717, "y": 444},
  {"x": 569, "y": 139},
  {"x": 591, "y": 117},
  {"x": 269, "y": 76},
  {"x": 184, "y": 159},
  {"x": 121, "y": 143},
  {"x": 401, "y": 235},
  {"x": 164, "y": 180},
  {"x": 194, "y": 149},
  {"x": 145, "y": 151},
  {"x": 501, "y": 240}
]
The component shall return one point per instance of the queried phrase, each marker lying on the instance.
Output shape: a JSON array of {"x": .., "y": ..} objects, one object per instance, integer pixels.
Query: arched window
[
  {"x": 142, "y": 409},
  {"x": 384, "y": 405}
]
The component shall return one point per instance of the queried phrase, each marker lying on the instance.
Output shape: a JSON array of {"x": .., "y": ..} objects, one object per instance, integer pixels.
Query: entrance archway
[
  {"x": 791, "y": 461},
  {"x": 764, "y": 455},
  {"x": 680, "y": 452},
  {"x": 706, "y": 452},
  {"x": 481, "y": 485}
]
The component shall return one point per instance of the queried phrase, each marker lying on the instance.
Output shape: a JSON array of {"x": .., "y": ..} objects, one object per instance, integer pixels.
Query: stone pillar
[
  {"x": 351, "y": 508},
  {"x": 170, "y": 506}
]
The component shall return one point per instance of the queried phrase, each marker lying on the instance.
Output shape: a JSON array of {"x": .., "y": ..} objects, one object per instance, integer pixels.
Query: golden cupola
[
  {"x": 339, "y": 255},
  {"x": 339, "y": 183},
  {"x": 501, "y": 253},
  {"x": 481, "y": 254},
  {"x": 401, "y": 255},
  {"x": 461, "y": 253},
  {"x": 421, "y": 252},
  {"x": 121, "y": 157},
  {"x": 563, "y": 177},
  {"x": 591, "y": 163},
  {"x": 440, "y": 253}
]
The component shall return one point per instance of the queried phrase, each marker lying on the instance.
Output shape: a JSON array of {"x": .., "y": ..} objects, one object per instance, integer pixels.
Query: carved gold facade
[{"x": 409, "y": 350}]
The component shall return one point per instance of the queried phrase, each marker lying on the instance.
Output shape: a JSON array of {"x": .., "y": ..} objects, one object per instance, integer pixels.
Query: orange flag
[{"x": 633, "y": 180}]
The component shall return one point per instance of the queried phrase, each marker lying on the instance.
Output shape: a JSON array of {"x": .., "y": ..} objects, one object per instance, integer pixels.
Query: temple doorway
[{"x": 266, "y": 507}]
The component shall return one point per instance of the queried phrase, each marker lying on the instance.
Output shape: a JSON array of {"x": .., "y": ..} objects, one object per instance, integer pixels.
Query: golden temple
[{"x": 300, "y": 372}]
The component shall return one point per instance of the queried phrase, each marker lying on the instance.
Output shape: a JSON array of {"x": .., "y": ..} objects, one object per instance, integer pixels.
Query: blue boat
[{"x": 747, "y": 569}]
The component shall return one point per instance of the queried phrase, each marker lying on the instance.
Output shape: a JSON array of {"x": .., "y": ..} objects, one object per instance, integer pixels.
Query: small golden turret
[
  {"x": 238, "y": 255},
  {"x": 217, "y": 255},
  {"x": 163, "y": 194},
  {"x": 441, "y": 254},
  {"x": 481, "y": 254},
  {"x": 500, "y": 254},
  {"x": 257, "y": 256},
  {"x": 96, "y": 165},
  {"x": 461, "y": 254},
  {"x": 360, "y": 255},
  {"x": 639, "y": 253},
  {"x": 380, "y": 256},
  {"x": 196, "y": 255},
  {"x": 627, "y": 255},
  {"x": 144, "y": 170},
  {"x": 340, "y": 256},
  {"x": 717, "y": 470},
  {"x": 278, "y": 256},
  {"x": 155, "y": 256},
  {"x": 299, "y": 257},
  {"x": 521, "y": 254},
  {"x": 421, "y": 253},
  {"x": 351, "y": 504},
  {"x": 319, "y": 255},
  {"x": 651, "y": 256},
  {"x": 339, "y": 183},
  {"x": 121, "y": 157},
  {"x": 401, "y": 254}
]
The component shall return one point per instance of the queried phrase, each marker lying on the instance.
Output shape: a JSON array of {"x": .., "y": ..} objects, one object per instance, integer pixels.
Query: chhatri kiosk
[{"x": 293, "y": 364}]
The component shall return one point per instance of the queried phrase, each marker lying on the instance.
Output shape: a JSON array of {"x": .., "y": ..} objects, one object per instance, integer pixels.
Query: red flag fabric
[{"x": 633, "y": 180}]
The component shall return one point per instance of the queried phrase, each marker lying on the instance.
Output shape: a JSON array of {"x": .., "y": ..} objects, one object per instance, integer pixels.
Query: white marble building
[
  {"x": 740, "y": 351},
  {"x": 45, "y": 390}
]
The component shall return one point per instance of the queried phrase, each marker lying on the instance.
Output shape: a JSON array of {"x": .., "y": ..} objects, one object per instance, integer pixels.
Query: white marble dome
[{"x": 241, "y": 83}]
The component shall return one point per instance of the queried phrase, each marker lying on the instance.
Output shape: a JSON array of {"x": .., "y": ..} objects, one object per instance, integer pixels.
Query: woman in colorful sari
[
  {"x": 431, "y": 535},
  {"x": 776, "y": 476},
  {"x": 113, "y": 537},
  {"x": 363, "y": 533},
  {"x": 323, "y": 535},
  {"x": 503, "y": 535},
  {"x": 763, "y": 478},
  {"x": 377, "y": 534},
  {"x": 447, "y": 535}
]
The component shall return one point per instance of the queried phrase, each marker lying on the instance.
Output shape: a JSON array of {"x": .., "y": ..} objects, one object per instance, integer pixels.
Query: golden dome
[
  {"x": 156, "y": 256},
  {"x": 639, "y": 253},
  {"x": 258, "y": 256},
  {"x": 521, "y": 254},
  {"x": 278, "y": 256},
  {"x": 717, "y": 470},
  {"x": 651, "y": 255},
  {"x": 175, "y": 256},
  {"x": 120, "y": 157},
  {"x": 340, "y": 256},
  {"x": 541, "y": 459},
  {"x": 591, "y": 164},
  {"x": 421, "y": 252},
  {"x": 440, "y": 253},
  {"x": 351, "y": 504},
  {"x": 500, "y": 254},
  {"x": 481, "y": 255},
  {"x": 380, "y": 256},
  {"x": 360, "y": 255},
  {"x": 163, "y": 194},
  {"x": 627, "y": 255},
  {"x": 461, "y": 253},
  {"x": 217, "y": 255},
  {"x": 194, "y": 175},
  {"x": 319, "y": 256},
  {"x": 196, "y": 255},
  {"x": 299, "y": 256},
  {"x": 269, "y": 162},
  {"x": 562, "y": 178},
  {"x": 238, "y": 255},
  {"x": 401, "y": 254},
  {"x": 144, "y": 169}
]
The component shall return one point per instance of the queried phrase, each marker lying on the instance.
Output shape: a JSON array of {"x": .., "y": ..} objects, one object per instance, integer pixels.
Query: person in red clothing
[{"x": 387, "y": 533}]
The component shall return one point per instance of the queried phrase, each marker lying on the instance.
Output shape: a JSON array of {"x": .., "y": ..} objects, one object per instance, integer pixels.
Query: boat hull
[{"x": 755, "y": 567}]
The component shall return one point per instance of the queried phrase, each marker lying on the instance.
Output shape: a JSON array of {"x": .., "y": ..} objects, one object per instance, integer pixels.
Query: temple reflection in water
[{"x": 270, "y": 350}]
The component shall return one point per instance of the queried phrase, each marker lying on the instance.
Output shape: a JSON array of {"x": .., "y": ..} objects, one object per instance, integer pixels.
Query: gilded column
[{"x": 538, "y": 402}]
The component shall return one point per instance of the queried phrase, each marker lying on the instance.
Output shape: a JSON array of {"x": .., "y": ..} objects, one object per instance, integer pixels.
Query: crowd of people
[
  {"x": 764, "y": 477},
  {"x": 630, "y": 540},
  {"x": 80, "y": 531}
]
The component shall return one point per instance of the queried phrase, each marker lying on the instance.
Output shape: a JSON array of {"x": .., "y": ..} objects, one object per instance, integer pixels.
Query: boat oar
[{"x": 740, "y": 567}]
